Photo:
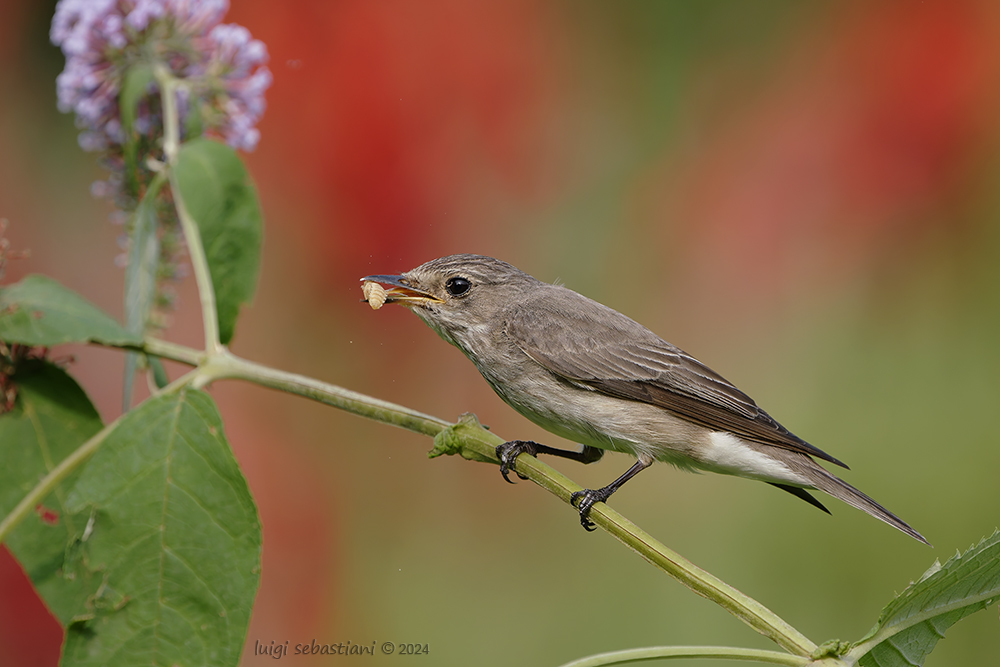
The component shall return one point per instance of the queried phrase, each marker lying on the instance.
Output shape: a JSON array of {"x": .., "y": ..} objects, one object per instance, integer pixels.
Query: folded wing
[{"x": 589, "y": 344}]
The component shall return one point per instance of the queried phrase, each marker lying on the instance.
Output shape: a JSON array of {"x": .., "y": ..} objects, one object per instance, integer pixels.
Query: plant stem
[
  {"x": 192, "y": 236},
  {"x": 228, "y": 365},
  {"x": 172, "y": 351},
  {"x": 668, "y": 652},
  {"x": 475, "y": 439}
]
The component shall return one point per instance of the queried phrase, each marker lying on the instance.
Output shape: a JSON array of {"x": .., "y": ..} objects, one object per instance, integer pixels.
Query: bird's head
[{"x": 458, "y": 294}]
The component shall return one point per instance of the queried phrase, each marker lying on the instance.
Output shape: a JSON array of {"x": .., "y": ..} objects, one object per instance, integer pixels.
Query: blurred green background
[{"x": 803, "y": 195}]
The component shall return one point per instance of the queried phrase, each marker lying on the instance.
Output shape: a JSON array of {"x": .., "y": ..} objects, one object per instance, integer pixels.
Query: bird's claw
[
  {"x": 588, "y": 498},
  {"x": 508, "y": 453}
]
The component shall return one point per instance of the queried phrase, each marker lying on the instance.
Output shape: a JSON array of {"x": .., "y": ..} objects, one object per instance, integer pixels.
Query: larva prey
[{"x": 374, "y": 294}]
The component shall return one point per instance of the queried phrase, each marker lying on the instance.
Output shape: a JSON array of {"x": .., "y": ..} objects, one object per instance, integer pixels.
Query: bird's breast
[{"x": 579, "y": 413}]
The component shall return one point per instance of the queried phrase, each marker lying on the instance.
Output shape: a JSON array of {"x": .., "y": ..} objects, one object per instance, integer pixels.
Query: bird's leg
[
  {"x": 588, "y": 497},
  {"x": 509, "y": 451}
]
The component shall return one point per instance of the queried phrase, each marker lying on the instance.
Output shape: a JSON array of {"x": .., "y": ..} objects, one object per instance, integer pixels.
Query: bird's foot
[
  {"x": 508, "y": 453},
  {"x": 587, "y": 498}
]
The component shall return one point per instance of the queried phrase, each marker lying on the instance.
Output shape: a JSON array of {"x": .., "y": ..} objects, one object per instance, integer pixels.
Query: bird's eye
[{"x": 457, "y": 286}]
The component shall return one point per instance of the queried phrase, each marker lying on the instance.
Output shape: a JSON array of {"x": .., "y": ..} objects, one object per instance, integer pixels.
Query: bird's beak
[{"x": 399, "y": 290}]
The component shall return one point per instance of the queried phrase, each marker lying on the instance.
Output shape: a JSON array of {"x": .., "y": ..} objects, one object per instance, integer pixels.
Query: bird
[{"x": 588, "y": 373}]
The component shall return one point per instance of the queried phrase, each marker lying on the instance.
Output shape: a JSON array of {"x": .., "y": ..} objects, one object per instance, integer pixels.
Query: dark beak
[{"x": 399, "y": 290}]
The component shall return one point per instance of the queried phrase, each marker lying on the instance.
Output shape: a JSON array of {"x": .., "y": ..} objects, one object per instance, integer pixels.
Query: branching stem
[{"x": 479, "y": 443}]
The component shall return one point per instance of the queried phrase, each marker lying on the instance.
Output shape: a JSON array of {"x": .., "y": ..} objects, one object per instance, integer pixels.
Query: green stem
[
  {"x": 171, "y": 119},
  {"x": 228, "y": 365},
  {"x": 192, "y": 236},
  {"x": 172, "y": 351},
  {"x": 482, "y": 444},
  {"x": 681, "y": 652}
]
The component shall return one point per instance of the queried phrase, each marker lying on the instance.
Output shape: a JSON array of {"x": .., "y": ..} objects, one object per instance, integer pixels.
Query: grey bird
[{"x": 594, "y": 376}]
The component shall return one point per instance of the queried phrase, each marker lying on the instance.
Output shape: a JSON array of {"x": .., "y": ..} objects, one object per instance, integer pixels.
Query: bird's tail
[{"x": 838, "y": 488}]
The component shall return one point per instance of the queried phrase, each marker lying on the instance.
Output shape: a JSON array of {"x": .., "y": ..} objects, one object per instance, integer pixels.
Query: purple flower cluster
[
  {"x": 238, "y": 62},
  {"x": 103, "y": 38}
]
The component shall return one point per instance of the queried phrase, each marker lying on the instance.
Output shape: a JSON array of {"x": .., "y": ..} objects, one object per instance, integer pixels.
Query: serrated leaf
[
  {"x": 176, "y": 537},
  {"x": 51, "y": 418},
  {"x": 910, "y": 626},
  {"x": 140, "y": 277},
  {"x": 218, "y": 194},
  {"x": 39, "y": 311}
]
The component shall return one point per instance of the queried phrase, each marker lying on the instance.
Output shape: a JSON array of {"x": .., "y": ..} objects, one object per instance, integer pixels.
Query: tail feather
[
  {"x": 820, "y": 478},
  {"x": 799, "y": 492},
  {"x": 838, "y": 488}
]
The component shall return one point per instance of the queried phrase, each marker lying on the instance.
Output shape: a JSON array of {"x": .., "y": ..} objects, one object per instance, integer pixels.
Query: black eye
[{"x": 457, "y": 286}]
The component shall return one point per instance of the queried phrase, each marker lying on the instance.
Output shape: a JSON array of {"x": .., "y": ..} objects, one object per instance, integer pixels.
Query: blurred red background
[{"x": 801, "y": 195}]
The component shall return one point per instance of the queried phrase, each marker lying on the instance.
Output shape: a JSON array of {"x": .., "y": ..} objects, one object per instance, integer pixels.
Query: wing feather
[{"x": 588, "y": 343}]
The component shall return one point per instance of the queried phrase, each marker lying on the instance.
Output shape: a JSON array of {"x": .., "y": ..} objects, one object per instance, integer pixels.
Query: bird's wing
[{"x": 590, "y": 344}]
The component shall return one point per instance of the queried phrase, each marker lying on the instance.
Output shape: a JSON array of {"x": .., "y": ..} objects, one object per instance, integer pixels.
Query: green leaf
[
  {"x": 911, "y": 625},
  {"x": 176, "y": 536},
  {"x": 140, "y": 277},
  {"x": 51, "y": 418},
  {"x": 218, "y": 194},
  {"x": 40, "y": 311}
]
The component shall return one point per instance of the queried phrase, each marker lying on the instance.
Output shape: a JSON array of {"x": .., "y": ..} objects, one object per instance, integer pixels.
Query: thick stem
[
  {"x": 172, "y": 351},
  {"x": 228, "y": 365}
]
